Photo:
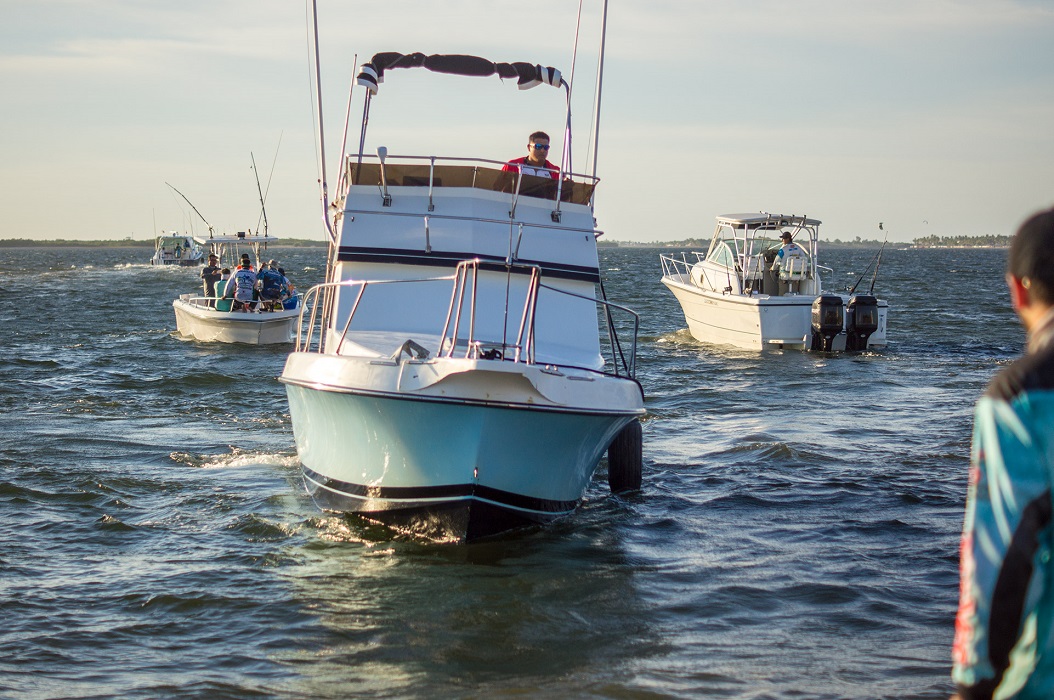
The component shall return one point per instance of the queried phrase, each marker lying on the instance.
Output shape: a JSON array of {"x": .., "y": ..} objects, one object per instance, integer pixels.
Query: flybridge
[{"x": 527, "y": 75}]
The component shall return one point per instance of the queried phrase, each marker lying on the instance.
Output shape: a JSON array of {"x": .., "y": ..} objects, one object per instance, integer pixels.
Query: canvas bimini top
[{"x": 527, "y": 75}]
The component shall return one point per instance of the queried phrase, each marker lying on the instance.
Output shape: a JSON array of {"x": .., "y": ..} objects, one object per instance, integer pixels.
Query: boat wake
[{"x": 237, "y": 458}]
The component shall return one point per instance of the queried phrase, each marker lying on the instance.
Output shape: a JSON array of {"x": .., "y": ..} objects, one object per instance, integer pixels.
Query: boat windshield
[
  {"x": 763, "y": 242},
  {"x": 722, "y": 254},
  {"x": 173, "y": 240}
]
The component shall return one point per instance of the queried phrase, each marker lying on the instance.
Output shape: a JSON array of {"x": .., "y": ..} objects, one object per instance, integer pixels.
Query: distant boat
[
  {"x": 731, "y": 295},
  {"x": 453, "y": 385},
  {"x": 178, "y": 249}
]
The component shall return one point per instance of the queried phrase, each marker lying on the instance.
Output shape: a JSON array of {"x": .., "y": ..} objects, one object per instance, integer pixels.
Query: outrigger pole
[
  {"x": 324, "y": 187},
  {"x": 194, "y": 208},
  {"x": 616, "y": 346},
  {"x": 600, "y": 87}
]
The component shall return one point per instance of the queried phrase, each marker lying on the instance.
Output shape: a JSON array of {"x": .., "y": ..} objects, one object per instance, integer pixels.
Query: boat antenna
[
  {"x": 263, "y": 209},
  {"x": 574, "y": 52},
  {"x": 323, "y": 186},
  {"x": 879, "y": 261},
  {"x": 570, "y": 87},
  {"x": 341, "y": 181},
  {"x": 193, "y": 207},
  {"x": 600, "y": 87}
]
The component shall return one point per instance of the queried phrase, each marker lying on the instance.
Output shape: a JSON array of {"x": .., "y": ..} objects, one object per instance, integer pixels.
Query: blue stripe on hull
[
  {"x": 450, "y": 259},
  {"x": 461, "y": 512}
]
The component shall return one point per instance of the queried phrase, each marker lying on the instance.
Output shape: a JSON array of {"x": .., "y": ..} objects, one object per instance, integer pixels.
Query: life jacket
[{"x": 270, "y": 284}]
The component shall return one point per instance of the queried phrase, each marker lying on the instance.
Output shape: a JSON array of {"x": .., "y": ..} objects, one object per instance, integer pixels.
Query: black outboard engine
[
  {"x": 827, "y": 319},
  {"x": 861, "y": 320}
]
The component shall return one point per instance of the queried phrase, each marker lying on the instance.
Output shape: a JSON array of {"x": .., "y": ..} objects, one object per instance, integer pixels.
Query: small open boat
[
  {"x": 742, "y": 292},
  {"x": 216, "y": 319}
]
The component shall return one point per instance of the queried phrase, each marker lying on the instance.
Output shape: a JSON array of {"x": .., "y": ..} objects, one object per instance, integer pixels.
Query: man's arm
[{"x": 1008, "y": 513}]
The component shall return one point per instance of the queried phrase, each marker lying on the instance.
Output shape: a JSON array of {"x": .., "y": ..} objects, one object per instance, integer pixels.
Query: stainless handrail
[
  {"x": 352, "y": 158},
  {"x": 525, "y": 342}
]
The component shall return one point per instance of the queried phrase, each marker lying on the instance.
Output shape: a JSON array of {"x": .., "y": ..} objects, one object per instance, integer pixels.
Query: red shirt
[{"x": 548, "y": 170}]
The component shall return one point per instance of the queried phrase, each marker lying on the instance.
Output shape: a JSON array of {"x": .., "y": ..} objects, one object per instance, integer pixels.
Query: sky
[{"x": 932, "y": 117}]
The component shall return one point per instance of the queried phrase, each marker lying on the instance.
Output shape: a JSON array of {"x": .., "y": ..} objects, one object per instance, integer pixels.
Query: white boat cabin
[
  {"x": 414, "y": 218},
  {"x": 743, "y": 253}
]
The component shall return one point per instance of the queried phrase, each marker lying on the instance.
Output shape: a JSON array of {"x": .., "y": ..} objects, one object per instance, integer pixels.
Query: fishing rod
[
  {"x": 193, "y": 207},
  {"x": 263, "y": 208},
  {"x": 877, "y": 257},
  {"x": 267, "y": 190},
  {"x": 877, "y": 264}
]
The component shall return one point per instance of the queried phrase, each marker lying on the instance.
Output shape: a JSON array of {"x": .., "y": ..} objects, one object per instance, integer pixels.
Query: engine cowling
[
  {"x": 861, "y": 320},
  {"x": 827, "y": 321}
]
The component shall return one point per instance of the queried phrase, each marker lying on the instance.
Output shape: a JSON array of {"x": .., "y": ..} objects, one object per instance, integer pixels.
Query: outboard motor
[
  {"x": 827, "y": 321},
  {"x": 861, "y": 320}
]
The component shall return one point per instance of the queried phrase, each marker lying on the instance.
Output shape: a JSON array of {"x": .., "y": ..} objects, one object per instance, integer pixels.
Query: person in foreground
[
  {"x": 1004, "y": 631},
  {"x": 536, "y": 162}
]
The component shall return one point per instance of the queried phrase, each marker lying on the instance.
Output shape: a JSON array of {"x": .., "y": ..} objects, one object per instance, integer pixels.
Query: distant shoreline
[
  {"x": 840, "y": 245},
  {"x": 692, "y": 243},
  {"x": 149, "y": 244}
]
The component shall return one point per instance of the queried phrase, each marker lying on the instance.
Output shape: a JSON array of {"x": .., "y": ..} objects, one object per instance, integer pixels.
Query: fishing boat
[
  {"x": 745, "y": 293},
  {"x": 451, "y": 382},
  {"x": 217, "y": 318},
  {"x": 174, "y": 248}
]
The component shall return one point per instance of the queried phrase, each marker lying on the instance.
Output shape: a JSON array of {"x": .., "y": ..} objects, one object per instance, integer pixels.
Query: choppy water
[{"x": 796, "y": 536}]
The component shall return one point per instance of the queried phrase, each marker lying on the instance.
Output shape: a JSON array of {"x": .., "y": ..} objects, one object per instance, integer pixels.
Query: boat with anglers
[
  {"x": 759, "y": 285},
  {"x": 217, "y": 317},
  {"x": 173, "y": 248},
  {"x": 451, "y": 382}
]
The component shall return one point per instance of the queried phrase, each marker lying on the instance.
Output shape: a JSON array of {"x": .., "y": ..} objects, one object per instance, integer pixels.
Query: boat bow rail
[{"x": 460, "y": 337}]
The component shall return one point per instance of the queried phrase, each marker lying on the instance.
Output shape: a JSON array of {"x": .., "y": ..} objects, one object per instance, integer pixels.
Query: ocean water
[{"x": 796, "y": 535}]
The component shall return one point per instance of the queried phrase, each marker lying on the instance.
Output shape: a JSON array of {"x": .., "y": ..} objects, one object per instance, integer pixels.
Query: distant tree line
[
  {"x": 990, "y": 241},
  {"x": 1000, "y": 241}
]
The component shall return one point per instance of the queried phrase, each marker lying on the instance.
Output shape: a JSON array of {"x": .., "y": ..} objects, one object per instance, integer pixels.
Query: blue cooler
[{"x": 291, "y": 302}]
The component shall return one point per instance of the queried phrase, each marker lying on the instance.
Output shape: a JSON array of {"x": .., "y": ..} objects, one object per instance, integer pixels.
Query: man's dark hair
[
  {"x": 538, "y": 135},
  {"x": 1032, "y": 255}
]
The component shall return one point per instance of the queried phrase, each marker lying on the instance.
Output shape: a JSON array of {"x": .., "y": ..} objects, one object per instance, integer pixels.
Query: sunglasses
[{"x": 540, "y": 147}]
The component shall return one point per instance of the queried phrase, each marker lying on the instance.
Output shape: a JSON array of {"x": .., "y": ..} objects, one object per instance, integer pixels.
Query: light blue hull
[{"x": 492, "y": 466}]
